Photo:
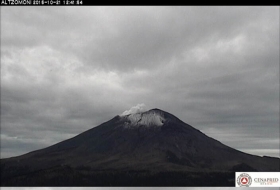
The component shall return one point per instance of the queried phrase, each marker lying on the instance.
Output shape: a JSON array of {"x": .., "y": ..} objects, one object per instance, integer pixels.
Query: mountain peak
[
  {"x": 153, "y": 117},
  {"x": 154, "y": 142}
]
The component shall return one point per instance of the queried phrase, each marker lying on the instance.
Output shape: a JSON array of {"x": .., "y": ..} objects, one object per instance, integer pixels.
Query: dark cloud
[{"x": 67, "y": 69}]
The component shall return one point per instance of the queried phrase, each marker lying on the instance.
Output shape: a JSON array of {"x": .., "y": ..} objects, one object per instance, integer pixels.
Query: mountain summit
[
  {"x": 135, "y": 146},
  {"x": 152, "y": 118}
]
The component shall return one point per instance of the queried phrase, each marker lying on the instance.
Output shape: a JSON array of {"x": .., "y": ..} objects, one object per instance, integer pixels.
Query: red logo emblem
[{"x": 244, "y": 180}]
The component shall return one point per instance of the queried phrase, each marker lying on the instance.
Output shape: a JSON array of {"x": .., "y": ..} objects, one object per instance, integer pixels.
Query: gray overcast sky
[{"x": 65, "y": 70}]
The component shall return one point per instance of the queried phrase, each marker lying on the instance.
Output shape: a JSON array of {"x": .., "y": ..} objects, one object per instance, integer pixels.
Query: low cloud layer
[{"x": 65, "y": 70}]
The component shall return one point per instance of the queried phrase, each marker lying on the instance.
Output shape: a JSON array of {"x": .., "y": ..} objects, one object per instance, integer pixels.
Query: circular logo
[{"x": 244, "y": 180}]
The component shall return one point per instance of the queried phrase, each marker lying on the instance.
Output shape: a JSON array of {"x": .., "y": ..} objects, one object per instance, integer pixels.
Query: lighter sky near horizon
[{"x": 65, "y": 70}]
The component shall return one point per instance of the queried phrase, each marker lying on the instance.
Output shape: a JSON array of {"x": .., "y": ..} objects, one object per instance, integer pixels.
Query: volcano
[{"x": 152, "y": 148}]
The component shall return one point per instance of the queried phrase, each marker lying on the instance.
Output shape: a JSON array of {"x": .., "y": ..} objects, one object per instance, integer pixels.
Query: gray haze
[{"x": 65, "y": 70}]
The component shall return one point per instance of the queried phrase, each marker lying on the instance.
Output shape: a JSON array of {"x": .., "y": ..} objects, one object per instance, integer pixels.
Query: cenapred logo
[
  {"x": 257, "y": 179},
  {"x": 244, "y": 180}
]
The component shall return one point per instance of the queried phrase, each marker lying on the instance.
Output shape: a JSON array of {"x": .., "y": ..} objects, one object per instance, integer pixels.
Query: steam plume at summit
[{"x": 139, "y": 108}]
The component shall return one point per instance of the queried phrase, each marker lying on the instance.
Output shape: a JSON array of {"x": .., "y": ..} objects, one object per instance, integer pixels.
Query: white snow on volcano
[{"x": 147, "y": 119}]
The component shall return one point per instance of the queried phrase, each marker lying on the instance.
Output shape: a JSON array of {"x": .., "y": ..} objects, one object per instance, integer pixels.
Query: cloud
[{"x": 139, "y": 108}]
